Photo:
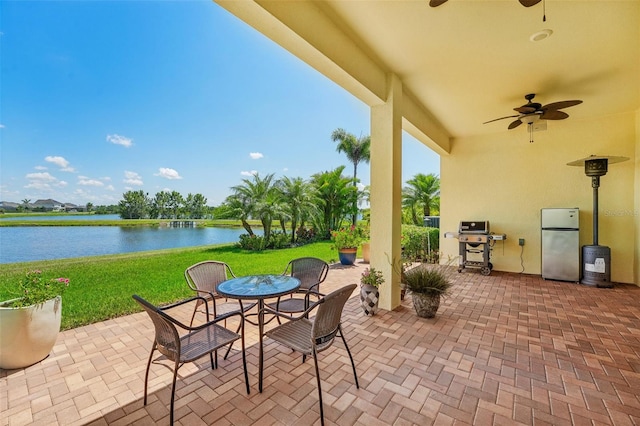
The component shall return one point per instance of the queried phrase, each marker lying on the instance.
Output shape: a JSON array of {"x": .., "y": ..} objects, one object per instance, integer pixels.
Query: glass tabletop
[{"x": 258, "y": 286}]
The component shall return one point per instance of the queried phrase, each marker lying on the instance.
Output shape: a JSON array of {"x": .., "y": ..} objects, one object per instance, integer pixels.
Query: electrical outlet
[{"x": 521, "y": 242}]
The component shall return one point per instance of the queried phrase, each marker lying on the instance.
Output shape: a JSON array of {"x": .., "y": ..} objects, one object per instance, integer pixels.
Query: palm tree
[
  {"x": 260, "y": 199},
  {"x": 357, "y": 151},
  {"x": 236, "y": 206},
  {"x": 422, "y": 192},
  {"x": 299, "y": 201},
  {"x": 334, "y": 196},
  {"x": 26, "y": 203}
]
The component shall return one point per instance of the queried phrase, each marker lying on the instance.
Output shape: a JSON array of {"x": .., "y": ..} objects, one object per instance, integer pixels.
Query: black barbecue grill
[{"x": 474, "y": 238}]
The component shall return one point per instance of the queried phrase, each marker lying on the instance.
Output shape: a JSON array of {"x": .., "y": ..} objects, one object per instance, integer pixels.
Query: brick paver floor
[{"x": 503, "y": 349}]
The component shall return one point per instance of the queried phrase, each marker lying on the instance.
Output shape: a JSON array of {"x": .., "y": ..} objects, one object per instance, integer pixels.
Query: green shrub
[
  {"x": 251, "y": 242},
  {"x": 279, "y": 240},
  {"x": 305, "y": 235},
  {"x": 420, "y": 243}
]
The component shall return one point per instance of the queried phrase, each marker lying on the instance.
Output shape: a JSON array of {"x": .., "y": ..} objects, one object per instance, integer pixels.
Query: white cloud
[
  {"x": 42, "y": 177},
  {"x": 168, "y": 173},
  {"x": 40, "y": 168},
  {"x": 110, "y": 188},
  {"x": 255, "y": 155},
  {"x": 120, "y": 140},
  {"x": 83, "y": 180},
  {"x": 43, "y": 181},
  {"x": 60, "y": 162},
  {"x": 132, "y": 178},
  {"x": 1, "y": 126},
  {"x": 250, "y": 173}
]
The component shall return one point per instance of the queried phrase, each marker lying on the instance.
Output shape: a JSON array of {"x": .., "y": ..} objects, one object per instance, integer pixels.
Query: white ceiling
[{"x": 470, "y": 61}]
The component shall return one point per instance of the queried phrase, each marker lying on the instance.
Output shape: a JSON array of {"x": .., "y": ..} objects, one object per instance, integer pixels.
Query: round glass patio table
[{"x": 259, "y": 287}]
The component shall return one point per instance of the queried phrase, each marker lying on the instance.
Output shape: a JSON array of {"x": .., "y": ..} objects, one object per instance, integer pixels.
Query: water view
[{"x": 30, "y": 243}]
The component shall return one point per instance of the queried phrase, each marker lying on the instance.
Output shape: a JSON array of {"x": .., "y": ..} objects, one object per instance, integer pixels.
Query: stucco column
[{"x": 386, "y": 191}]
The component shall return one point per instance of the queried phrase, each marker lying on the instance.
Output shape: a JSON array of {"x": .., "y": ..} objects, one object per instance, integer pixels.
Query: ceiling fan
[
  {"x": 532, "y": 111},
  {"x": 525, "y": 3}
]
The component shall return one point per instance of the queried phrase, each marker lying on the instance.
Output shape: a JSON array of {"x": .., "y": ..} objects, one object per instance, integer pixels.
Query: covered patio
[{"x": 503, "y": 349}]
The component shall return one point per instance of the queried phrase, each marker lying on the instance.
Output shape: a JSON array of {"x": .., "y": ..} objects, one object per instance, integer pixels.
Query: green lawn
[{"x": 101, "y": 286}]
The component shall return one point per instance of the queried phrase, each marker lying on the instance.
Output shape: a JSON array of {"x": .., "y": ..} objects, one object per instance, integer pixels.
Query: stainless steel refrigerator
[{"x": 560, "y": 244}]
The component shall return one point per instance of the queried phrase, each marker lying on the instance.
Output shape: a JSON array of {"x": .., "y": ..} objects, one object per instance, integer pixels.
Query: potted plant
[
  {"x": 427, "y": 284},
  {"x": 347, "y": 240},
  {"x": 29, "y": 324},
  {"x": 370, "y": 280}
]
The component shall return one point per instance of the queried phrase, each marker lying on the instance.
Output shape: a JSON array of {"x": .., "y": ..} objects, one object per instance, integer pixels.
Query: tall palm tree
[
  {"x": 357, "y": 151},
  {"x": 423, "y": 191},
  {"x": 299, "y": 201}
]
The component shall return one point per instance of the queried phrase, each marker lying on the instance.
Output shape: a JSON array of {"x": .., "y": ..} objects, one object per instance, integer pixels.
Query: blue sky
[{"x": 99, "y": 98}]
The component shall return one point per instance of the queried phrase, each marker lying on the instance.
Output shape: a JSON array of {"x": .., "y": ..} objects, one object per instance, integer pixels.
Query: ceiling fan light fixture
[
  {"x": 541, "y": 35},
  {"x": 530, "y": 118}
]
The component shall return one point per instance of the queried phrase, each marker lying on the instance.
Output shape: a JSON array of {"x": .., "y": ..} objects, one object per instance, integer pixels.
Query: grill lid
[{"x": 474, "y": 227}]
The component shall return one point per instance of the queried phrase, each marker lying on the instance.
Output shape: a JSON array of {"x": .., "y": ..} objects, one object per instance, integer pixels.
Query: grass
[{"x": 101, "y": 286}]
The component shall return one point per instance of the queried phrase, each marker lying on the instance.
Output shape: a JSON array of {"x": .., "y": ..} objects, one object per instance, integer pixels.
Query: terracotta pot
[
  {"x": 366, "y": 251},
  {"x": 369, "y": 297},
  {"x": 347, "y": 255},
  {"x": 28, "y": 334}
]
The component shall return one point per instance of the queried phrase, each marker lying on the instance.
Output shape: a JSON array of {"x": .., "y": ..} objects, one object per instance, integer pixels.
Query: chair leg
[
  {"x": 173, "y": 390},
  {"x": 315, "y": 360},
  {"x": 146, "y": 374},
  {"x": 244, "y": 360},
  {"x": 231, "y": 345},
  {"x": 353, "y": 365}
]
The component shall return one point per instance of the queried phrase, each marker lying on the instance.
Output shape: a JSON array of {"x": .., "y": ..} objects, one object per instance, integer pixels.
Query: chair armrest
[
  {"x": 201, "y": 326},
  {"x": 181, "y": 302},
  {"x": 163, "y": 309}
]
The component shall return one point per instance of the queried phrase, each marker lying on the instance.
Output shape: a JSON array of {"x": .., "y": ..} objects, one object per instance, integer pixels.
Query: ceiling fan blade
[
  {"x": 515, "y": 124},
  {"x": 560, "y": 105},
  {"x": 529, "y": 3},
  {"x": 501, "y": 118},
  {"x": 554, "y": 115},
  {"x": 526, "y": 109},
  {"x": 436, "y": 3}
]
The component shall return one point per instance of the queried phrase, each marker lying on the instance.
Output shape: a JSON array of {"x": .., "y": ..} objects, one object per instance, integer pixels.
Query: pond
[{"x": 30, "y": 243}]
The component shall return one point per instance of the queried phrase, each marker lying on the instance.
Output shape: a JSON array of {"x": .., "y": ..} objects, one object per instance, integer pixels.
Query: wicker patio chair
[
  {"x": 181, "y": 343},
  {"x": 310, "y": 336},
  {"x": 203, "y": 278},
  {"x": 311, "y": 272}
]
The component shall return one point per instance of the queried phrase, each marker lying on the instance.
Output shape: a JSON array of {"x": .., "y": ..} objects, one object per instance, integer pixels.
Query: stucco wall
[
  {"x": 637, "y": 200},
  {"x": 507, "y": 180}
]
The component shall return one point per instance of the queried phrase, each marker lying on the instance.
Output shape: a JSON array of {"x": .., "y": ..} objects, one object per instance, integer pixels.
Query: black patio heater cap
[{"x": 596, "y": 259}]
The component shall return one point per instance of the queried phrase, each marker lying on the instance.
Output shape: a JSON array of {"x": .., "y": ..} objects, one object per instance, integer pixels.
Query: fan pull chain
[
  {"x": 530, "y": 126},
  {"x": 544, "y": 12}
]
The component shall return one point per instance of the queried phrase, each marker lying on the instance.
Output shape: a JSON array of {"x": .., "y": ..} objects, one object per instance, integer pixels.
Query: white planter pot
[{"x": 28, "y": 334}]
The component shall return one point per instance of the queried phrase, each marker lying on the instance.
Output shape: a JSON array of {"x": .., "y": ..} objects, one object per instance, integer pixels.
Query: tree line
[{"x": 165, "y": 205}]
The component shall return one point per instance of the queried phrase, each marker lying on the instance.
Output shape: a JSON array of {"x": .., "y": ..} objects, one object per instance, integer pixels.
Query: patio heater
[{"x": 596, "y": 259}]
